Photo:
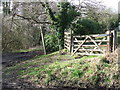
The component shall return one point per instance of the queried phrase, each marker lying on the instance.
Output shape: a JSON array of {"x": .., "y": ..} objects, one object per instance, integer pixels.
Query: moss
[{"x": 77, "y": 73}]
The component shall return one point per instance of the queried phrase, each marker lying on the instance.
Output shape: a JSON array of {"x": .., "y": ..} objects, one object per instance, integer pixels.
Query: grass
[{"x": 64, "y": 70}]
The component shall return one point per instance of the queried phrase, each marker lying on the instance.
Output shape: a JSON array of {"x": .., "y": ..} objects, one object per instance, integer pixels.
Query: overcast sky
[
  {"x": 112, "y": 4},
  {"x": 109, "y": 3}
]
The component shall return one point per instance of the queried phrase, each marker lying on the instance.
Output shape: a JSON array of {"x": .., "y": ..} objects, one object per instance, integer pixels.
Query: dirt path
[
  {"x": 10, "y": 59},
  {"x": 10, "y": 82}
]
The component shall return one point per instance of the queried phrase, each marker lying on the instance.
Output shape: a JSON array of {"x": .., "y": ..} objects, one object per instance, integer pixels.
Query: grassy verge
[{"x": 64, "y": 70}]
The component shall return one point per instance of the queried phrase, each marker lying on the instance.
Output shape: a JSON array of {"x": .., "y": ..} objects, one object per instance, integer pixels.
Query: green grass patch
[{"x": 64, "y": 70}]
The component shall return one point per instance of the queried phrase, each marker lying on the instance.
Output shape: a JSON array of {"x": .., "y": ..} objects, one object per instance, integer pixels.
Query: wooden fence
[{"x": 98, "y": 44}]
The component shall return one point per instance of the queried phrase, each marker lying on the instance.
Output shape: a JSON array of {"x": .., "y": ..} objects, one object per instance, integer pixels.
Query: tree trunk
[
  {"x": 60, "y": 35},
  {"x": 39, "y": 41}
]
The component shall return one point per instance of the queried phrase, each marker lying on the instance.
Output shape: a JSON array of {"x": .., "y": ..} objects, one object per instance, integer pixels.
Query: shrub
[
  {"x": 51, "y": 43},
  {"x": 10, "y": 41},
  {"x": 87, "y": 26}
]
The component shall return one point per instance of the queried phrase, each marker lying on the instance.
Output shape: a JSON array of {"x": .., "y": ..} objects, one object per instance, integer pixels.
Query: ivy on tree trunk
[{"x": 62, "y": 19}]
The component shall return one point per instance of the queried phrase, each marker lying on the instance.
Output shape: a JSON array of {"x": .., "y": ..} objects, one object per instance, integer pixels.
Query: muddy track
[
  {"x": 10, "y": 83},
  {"x": 10, "y": 59}
]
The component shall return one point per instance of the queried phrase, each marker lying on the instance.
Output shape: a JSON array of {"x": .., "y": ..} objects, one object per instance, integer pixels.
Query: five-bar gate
[{"x": 98, "y": 44}]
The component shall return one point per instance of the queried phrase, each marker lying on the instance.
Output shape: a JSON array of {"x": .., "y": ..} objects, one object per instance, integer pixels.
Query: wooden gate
[{"x": 97, "y": 44}]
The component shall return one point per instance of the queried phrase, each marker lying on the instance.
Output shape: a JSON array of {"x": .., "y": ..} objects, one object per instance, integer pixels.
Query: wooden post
[
  {"x": 71, "y": 41},
  {"x": 114, "y": 39},
  {"x": 114, "y": 33},
  {"x": 43, "y": 42},
  {"x": 64, "y": 40},
  {"x": 111, "y": 42},
  {"x": 108, "y": 39}
]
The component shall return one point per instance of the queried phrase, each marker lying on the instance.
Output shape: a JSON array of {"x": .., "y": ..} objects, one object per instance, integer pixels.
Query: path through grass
[{"x": 64, "y": 70}]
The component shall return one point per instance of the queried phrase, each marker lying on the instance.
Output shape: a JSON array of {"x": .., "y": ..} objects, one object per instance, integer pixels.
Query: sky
[{"x": 111, "y": 4}]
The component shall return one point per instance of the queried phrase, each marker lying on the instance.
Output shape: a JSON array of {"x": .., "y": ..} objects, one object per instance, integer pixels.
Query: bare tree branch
[{"x": 33, "y": 20}]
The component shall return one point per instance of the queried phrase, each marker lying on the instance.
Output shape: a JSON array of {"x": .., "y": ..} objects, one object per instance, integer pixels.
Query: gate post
[
  {"x": 109, "y": 42},
  {"x": 71, "y": 41},
  {"x": 114, "y": 32}
]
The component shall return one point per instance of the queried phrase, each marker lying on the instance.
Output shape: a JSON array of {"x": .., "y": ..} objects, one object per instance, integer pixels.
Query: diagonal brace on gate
[
  {"x": 99, "y": 47},
  {"x": 80, "y": 45}
]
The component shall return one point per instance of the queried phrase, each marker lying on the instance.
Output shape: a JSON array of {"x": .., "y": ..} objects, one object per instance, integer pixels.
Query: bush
[
  {"x": 87, "y": 26},
  {"x": 10, "y": 41},
  {"x": 51, "y": 43},
  {"x": 21, "y": 36}
]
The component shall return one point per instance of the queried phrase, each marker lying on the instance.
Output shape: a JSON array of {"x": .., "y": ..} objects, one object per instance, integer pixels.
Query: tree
[
  {"x": 62, "y": 19},
  {"x": 6, "y": 8},
  {"x": 98, "y": 12},
  {"x": 86, "y": 27},
  {"x": 22, "y": 26},
  {"x": 114, "y": 21},
  {"x": 118, "y": 17}
]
